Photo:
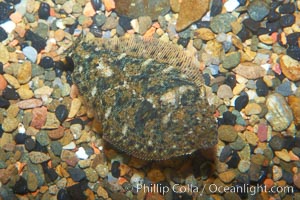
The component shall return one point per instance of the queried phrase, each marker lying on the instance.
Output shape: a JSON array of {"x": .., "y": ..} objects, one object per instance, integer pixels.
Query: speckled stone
[
  {"x": 279, "y": 113},
  {"x": 227, "y": 133},
  {"x": 10, "y": 124},
  {"x": 38, "y": 157},
  {"x": 221, "y": 23}
]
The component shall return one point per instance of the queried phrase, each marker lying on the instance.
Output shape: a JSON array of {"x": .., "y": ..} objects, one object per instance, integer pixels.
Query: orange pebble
[
  {"x": 3, "y": 83},
  {"x": 96, "y": 150},
  {"x": 283, "y": 38},
  {"x": 122, "y": 180},
  {"x": 14, "y": 43},
  {"x": 52, "y": 12},
  {"x": 16, "y": 17},
  {"x": 156, "y": 25},
  {"x": 109, "y": 5},
  {"x": 274, "y": 36},
  {"x": 149, "y": 32},
  {"x": 88, "y": 10},
  {"x": 293, "y": 156},
  {"x": 269, "y": 183}
]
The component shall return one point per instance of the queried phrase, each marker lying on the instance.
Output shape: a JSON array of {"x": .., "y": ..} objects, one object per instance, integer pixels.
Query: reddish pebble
[
  {"x": 268, "y": 183},
  {"x": 88, "y": 10},
  {"x": 30, "y": 103},
  {"x": 262, "y": 132},
  {"x": 16, "y": 17},
  {"x": 56, "y": 133},
  {"x": 39, "y": 116},
  {"x": 3, "y": 82}
]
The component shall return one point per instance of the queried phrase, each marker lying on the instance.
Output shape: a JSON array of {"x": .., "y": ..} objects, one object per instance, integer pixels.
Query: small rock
[
  {"x": 283, "y": 155},
  {"x": 290, "y": 67},
  {"x": 231, "y": 5},
  {"x": 231, "y": 60},
  {"x": 42, "y": 138},
  {"x": 47, "y": 62},
  {"x": 43, "y": 92},
  {"x": 244, "y": 166},
  {"x": 3, "y": 82},
  {"x": 81, "y": 153},
  {"x": 25, "y": 92},
  {"x": 32, "y": 182},
  {"x": 277, "y": 173},
  {"x": 101, "y": 192},
  {"x": 294, "y": 103},
  {"x": 10, "y": 94},
  {"x": 254, "y": 172},
  {"x": 30, "y": 103},
  {"x": 249, "y": 70},
  {"x": 10, "y": 124},
  {"x": 145, "y": 23},
  {"x": 76, "y": 174},
  {"x": 156, "y": 175},
  {"x": 4, "y": 56},
  {"x": 251, "y": 138},
  {"x": 279, "y": 114},
  {"x": 39, "y": 117},
  {"x": 11, "y": 81},
  {"x": 258, "y": 10},
  {"x": 75, "y": 106},
  {"x": 38, "y": 157},
  {"x": 227, "y": 176},
  {"x": 56, "y": 133},
  {"x": 262, "y": 132},
  {"x": 29, "y": 144},
  {"x": 224, "y": 91},
  {"x": 262, "y": 89},
  {"x": 51, "y": 121},
  {"x": 91, "y": 175},
  {"x": 24, "y": 73},
  {"x": 284, "y": 89},
  {"x": 253, "y": 109},
  {"x": 30, "y": 53},
  {"x": 21, "y": 185},
  {"x": 241, "y": 102},
  {"x": 204, "y": 34},
  {"x": 44, "y": 11},
  {"x": 227, "y": 133},
  {"x": 221, "y": 23}
]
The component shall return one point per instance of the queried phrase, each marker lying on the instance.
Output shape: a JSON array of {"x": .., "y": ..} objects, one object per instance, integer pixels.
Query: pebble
[
  {"x": 231, "y": 5},
  {"x": 241, "y": 102},
  {"x": 102, "y": 170},
  {"x": 253, "y": 109},
  {"x": 43, "y": 92},
  {"x": 258, "y": 10},
  {"x": 261, "y": 88},
  {"x": 29, "y": 103},
  {"x": 75, "y": 106},
  {"x": 231, "y": 60},
  {"x": 10, "y": 94},
  {"x": 47, "y": 62},
  {"x": 39, "y": 117},
  {"x": 294, "y": 103},
  {"x": 91, "y": 175},
  {"x": 56, "y": 133},
  {"x": 249, "y": 70},
  {"x": 38, "y": 43},
  {"x": 24, "y": 73},
  {"x": 283, "y": 155},
  {"x": 290, "y": 67},
  {"x": 21, "y": 185},
  {"x": 145, "y": 23},
  {"x": 227, "y": 176},
  {"x": 44, "y": 11},
  {"x": 42, "y": 138},
  {"x": 3, "y": 82},
  {"x": 115, "y": 170},
  {"x": 227, "y": 133},
  {"x": 32, "y": 182},
  {"x": 225, "y": 153},
  {"x": 10, "y": 124},
  {"x": 101, "y": 192},
  {"x": 3, "y": 34},
  {"x": 81, "y": 153},
  {"x": 56, "y": 148},
  {"x": 277, "y": 173},
  {"x": 4, "y": 56},
  {"x": 251, "y": 138},
  {"x": 30, "y": 53},
  {"x": 221, "y": 23},
  {"x": 76, "y": 174},
  {"x": 284, "y": 89},
  {"x": 11, "y": 81},
  {"x": 279, "y": 113},
  {"x": 224, "y": 91},
  {"x": 244, "y": 166},
  {"x": 29, "y": 144},
  {"x": 136, "y": 180},
  {"x": 38, "y": 157}
]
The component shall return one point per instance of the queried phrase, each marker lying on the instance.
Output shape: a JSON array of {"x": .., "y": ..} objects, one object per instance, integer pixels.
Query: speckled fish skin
[{"x": 149, "y": 109}]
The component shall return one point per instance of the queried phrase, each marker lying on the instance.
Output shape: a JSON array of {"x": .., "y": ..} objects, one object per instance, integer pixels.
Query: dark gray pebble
[
  {"x": 115, "y": 171},
  {"x": 216, "y": 7},
  {"x": 63, "y": 195},
  {"x": 5, "y": 11},
  {"x": 257, "y": 10},
  {"x": 61, "y": 113},
  {"x": 287, "y": 8},
  {"x": 251, "y": 24},
  {"x": 3, "y": 34},
  {"x": 225, "y": 153},
  {"x": 262, "y": 89},
  {"x": 47, "y": 62},
  {"x": 273, "y": 16},
  {"x": 21, "y": 186},
  {"x": 37, "y": 41},
  {"x": 287, "y": 20},
  {"x": 229, "y": 118},
  {"x": 76, "y": 174},
  {"x": 241, "y": 102},
  {"x": 56, "y": 148},
  {"x": 96, "y": 4},
  {"x": 44, "y": 11},
  {"x": 20, "y": 138},
  {"x": 10, "y": 94},
  {"x": 254, "y": 172},
  {"x": 276, "y": 143},
  {"x": 234, "y": 160},
  {"x": 29, "y": 144},
  {"x": 4, "y": 103}
]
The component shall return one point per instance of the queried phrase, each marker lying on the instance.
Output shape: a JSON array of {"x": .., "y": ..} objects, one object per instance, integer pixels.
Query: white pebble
[
  {"x": 266, "y": 66},
  {"x": 8, "y": 26},
  {"x": 136, "y": 180},
  {"x": 30, "y": 53},
  {"x": 231, "y": 5},
  {"x": 21, "y": 7},
  {"x": 135, "y": 25},
  {"x": 60, "y": 24},
  {"x": 70, "y": 146},
  {"x": 251, "y": 94},
  {"x": 21, "y": 128},
  {"x": 81, "y": 154}
]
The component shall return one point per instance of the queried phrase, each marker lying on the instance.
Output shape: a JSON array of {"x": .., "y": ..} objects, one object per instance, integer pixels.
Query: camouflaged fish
[{"x": 147, "y": 94}]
